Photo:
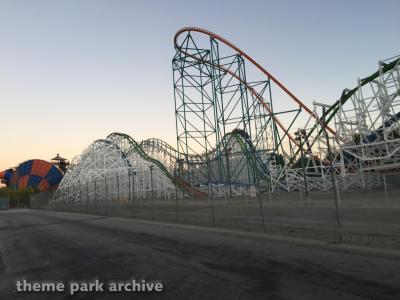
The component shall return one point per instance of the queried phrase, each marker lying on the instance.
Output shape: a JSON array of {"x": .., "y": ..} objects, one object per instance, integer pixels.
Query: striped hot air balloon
[
  {"x": 34, "y": 173},
  {"x": 6, "y": 175}
]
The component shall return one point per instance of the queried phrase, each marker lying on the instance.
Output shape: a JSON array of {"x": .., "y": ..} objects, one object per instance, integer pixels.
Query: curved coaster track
[
  {"x": 231, "y": 133},
  {"x": 214, "y": 97},
  {"x": 115, "y": 165}
]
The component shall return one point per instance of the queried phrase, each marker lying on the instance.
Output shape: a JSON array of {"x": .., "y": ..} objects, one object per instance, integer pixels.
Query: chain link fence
[
  {"x": 367, "y": 215},
  {"x": 4, "y": 203}
]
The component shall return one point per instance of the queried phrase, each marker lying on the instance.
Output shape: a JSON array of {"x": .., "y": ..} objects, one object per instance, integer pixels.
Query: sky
[{"x": 74, "y": 71}]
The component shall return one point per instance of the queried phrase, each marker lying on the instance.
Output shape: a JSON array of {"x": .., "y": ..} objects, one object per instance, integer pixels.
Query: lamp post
[{"x": 301, "y": 133}]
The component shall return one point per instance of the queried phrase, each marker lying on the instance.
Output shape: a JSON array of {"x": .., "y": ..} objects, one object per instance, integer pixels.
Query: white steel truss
[{"x": 107, "y": 170}]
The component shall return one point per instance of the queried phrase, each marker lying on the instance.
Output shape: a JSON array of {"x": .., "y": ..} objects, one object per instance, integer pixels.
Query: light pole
[{"x": 301, "y": 133}]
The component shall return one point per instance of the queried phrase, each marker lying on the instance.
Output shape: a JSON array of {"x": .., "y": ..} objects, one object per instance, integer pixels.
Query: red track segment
[{"x": 269, "y": 75}]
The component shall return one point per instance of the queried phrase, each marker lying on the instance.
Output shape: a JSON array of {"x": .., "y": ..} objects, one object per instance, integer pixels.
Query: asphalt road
[{"x": 191, "y": 263}]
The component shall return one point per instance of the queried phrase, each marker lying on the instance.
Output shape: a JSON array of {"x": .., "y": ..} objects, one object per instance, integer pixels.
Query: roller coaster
[{"x": 232, "y": 135}]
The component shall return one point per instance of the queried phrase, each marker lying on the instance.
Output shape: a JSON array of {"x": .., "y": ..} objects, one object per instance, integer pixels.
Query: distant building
[{"x": 60, "y": 162}]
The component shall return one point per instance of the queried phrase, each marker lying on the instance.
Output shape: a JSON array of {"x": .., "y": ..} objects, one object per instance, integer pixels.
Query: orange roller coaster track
[{"x": 257, "y": 65}]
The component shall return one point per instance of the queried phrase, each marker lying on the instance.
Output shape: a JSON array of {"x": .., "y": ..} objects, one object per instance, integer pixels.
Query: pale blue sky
[{"x": 74, "y": 71}]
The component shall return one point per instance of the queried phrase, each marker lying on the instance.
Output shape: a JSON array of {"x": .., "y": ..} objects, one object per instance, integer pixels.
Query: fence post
[
  {"x": 261, "y": 205},
  {"x": 66, "y": 202},
  {"x": 129, "y": 188},
  {"x": 212, "y": 204},
  {"x": 47, "y": 202},
  {"x": 118, "y": 196},
  {"x": 270, "y": 191},
  {"x": 73, "y": 188},
  {"x": 176, "y": 205},
  {"x": 385, "y": 187},
  {"x": 152, "y": 195},
  {"x": 80, "y": 198},
  {"x": 87, "y": 197},
  {"x": 95, "y": 197},
  {"x": 301, "y": 196},
  {"x": 106, "y": 191},
  {"x": 133, "y": 196}
]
